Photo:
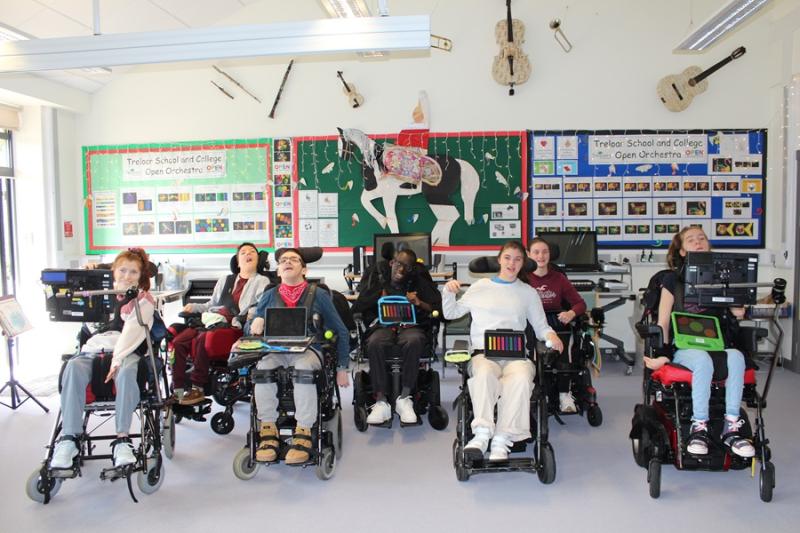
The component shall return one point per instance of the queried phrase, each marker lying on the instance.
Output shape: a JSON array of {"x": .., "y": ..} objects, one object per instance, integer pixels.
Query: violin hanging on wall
[
  {"x": 354, "y": 98},
  {"x": 511, "y": 65}
]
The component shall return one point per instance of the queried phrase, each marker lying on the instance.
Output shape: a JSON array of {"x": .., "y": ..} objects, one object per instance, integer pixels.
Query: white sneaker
[
  {"x": 476, "y": 447},
  {"x": 566, "y": 403},
  {"x": 123, "y": 453},
  {"x": 381, "y": 412},
  {"x": 64, "y": 454},
  {"x": 500, "y": 446},
  {"x": 405, "y": 408}
]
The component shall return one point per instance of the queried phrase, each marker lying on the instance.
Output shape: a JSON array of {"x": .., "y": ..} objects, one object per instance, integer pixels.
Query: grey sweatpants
[
  {"x": 77, "y": 376},
  {"x": 305, "y": 394}
]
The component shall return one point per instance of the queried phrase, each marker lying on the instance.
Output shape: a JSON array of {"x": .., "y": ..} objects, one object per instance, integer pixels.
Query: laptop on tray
[{"x": 286, "y": 328}]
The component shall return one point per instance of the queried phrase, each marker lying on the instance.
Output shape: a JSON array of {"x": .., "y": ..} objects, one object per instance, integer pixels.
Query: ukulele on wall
[
  {"x": 354, "y": 98},
  {"x": 677, "y": 90},
  {"x": 511, "y": 65}
]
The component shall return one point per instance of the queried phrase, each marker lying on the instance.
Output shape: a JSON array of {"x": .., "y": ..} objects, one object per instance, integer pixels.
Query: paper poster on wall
[
  {"x": 505, "y": 212},
  {"x": 329, "y": 232},
  {"x": 501, "y": 229},
  {"x": 173, "y": 199},
  {"x": 328, "y": 205},
  {"x": 104, "y": 204},
  {"x": 634, "y": 188},
  {"x": 309, "y": 232},
  {"x": 307, "y": 201}
]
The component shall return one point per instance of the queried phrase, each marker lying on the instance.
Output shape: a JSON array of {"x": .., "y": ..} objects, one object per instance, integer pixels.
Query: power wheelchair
[
  {"x": 542, "y": 459},
  {"x": 156, "y": 434},
  {"x": 426, "y": 395},
  {"x": 662, "y": 421},
  {"x": 326, "y": 434},
  {"x": 222, "y": 382}
]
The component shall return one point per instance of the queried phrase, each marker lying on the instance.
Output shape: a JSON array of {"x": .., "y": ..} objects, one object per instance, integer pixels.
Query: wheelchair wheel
[
  {"x": 547, "y": 464},
  {"x": 766, "y": 481},
  {"x": 151, "y": 480},
  {"x": 168, "y": 437},
  {"x": 654, "y": 477},
  {"x": 243, "y": 467},
  {"x": 222, "y": 423},
  {"x": 35, "y": 486},
  {"x": 594, "y": 415},
  {"x": 640, "y": 448},
  {"x": 360, "y": 418},
  {"x": 334, "y": 425},
  {"x": 438, "y": 417},
  {"x": 462, "y": 473},
  {"x": 326, "y": 464}
]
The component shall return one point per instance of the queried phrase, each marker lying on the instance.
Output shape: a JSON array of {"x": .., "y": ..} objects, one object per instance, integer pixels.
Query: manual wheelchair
[
  {"x": 156, "y": 434},
  {"x": 661, "y": 422}
]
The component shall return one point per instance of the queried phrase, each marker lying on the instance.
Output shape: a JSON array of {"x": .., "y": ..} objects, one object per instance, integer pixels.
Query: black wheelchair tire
[
  {"x": 222, "y": 423},
  {"x": 547, "y": 464},
  {"x": 360, "y": 418},
  {"x": 594, "y": 415},
  {"x": 654, "y": 477},
  {"x": 168, "y": 438},
  {"x": 640, "y": 447},
  {"x": 438, "y": 417},
  {"x": 766, "y": 481}
]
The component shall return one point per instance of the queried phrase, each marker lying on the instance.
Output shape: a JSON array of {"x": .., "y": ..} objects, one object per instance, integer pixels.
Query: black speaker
[{"x": 358, "y": 259}]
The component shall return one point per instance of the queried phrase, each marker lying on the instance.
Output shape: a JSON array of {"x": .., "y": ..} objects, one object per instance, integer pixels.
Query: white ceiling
[{"x": 68, "y": 18}]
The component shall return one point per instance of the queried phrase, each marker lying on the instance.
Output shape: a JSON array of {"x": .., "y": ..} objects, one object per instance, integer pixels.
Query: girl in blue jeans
[{"x": 693, "y": 239}]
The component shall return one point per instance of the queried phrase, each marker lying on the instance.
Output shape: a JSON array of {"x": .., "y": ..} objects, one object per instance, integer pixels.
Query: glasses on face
[
  {"x": 399, "y": 265},
  {"x": 287, "y": 260}
]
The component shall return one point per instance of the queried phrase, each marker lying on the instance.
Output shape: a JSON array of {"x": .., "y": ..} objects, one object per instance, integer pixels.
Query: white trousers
[{"x": 507, "y": 384}]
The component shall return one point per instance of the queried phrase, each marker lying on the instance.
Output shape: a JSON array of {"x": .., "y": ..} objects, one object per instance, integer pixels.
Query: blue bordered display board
[{"x": 638, "y": 188}]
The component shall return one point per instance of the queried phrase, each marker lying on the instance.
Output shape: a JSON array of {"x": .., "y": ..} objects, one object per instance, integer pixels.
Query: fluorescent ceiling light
[
  {"x": 721, "y": 23},
  {"x": 346, "y": 8},
  {"x": 328, "y": 36},
  {"x": 8, "y": 33}
]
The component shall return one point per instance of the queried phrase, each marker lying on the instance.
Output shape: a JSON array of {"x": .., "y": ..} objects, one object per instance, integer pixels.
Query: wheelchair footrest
[
  {"x": 411, "y": 424},
  {"x": 193, "y": 412}
]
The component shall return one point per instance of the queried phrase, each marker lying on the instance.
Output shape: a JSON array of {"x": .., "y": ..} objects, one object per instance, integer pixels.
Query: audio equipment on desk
[
  {"x": 611, "y": 285},
  {"x": 613, "y": 267},
  {"x": 583, "y": 285}
]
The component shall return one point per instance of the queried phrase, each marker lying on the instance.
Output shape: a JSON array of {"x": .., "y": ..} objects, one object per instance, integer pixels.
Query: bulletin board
[
  {"x": 478, "y": 202},
  {"x": 639, "y": 188},
  {"x": 184, "y": 197}
]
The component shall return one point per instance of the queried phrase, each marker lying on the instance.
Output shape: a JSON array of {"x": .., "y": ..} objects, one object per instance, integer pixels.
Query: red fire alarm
[{"x": 68, "y": 229}]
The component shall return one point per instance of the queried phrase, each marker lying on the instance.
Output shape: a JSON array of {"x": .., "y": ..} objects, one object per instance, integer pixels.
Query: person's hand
[
  {"x": 555, "y": 342},
  {"x": 257, "y": 327},
  {"x": 565, "y": 317},
  {"x": 654, "y": 363},
  {"x": 412, "y": 298},
  {"x": 738, "y": 312},
  {"x": 343, "y": 378},
  {"x": 112, "y": 373},
  {"x": 187, "y": 308},
  {"x": 91, "y": 266},
  {"x": 453, "y": 286}
]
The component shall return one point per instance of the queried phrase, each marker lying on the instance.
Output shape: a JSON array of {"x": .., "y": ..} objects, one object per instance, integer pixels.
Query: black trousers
[{"x": 380, "y": 346}]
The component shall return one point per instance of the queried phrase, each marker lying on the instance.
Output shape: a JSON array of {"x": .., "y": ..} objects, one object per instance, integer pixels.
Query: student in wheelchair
[
  {"x": 126, "y": 339},
  {"x": 562, "y": 305},
  {"x": 232, "y": 297},
  {"x": 502, "y": 302},
  {"x": 294, "y": 291},
  {"x": 693, "y": 239},
  {"x": 401, "y": 276}
]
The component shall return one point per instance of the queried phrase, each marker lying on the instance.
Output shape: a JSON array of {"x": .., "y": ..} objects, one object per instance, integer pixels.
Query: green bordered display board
[
  {"x": 185, "y": 197},
  {"x": 639, "y": 188},
  {"x": 354, "y": 185}
]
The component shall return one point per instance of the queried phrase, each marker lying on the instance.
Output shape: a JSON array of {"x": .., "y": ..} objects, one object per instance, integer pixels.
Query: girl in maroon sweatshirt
[{"x": 562, "y": 304}]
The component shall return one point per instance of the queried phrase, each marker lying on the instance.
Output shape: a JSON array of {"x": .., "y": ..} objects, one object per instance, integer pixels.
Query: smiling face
[
  {"x": 694, "y": 240},
  {"x": 511, "y": 260},
  {"x": 247, "y": 259},
  {"x": 127, "y": 274},
  {"x": 540, "y": 253},
  {"x": 290, "y": 268},
  {"x": 402, "y": 266}
]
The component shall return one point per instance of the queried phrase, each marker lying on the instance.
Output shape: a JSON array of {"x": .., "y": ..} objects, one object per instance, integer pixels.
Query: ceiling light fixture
[
  {"x": 329, "y": 36},
  {"x": 722, "y": 22}
]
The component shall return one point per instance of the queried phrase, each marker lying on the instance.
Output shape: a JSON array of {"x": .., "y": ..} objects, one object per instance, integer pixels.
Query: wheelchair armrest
[
  {"x": 66, "y": 357},
  {"x": 748, "y": 337},
  {"x": 460, "y": 345},
  {"x": 185, "y": 315},
  {"x": 651, "y": 333}
]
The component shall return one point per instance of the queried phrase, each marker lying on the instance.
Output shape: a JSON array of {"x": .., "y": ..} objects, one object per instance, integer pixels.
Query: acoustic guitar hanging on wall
[
  {"x": 677, "y": 90},
  {"x": 511, "y": 65}
]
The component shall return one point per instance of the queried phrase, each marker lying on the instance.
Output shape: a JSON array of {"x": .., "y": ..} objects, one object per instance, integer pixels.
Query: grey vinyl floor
[{"x": 403, "y": 480}]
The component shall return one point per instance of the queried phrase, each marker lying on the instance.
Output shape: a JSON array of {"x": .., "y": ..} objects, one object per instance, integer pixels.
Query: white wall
[{"x": 621, "y": 49}]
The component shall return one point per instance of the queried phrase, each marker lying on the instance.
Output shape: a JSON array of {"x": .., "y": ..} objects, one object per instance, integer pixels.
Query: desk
[
  {"x": 168, "y": 296},
  {"x": 438, "y": 277}
]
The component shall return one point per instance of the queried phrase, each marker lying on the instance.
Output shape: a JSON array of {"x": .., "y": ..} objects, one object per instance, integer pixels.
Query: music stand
[{"x": 13, "y": 322}]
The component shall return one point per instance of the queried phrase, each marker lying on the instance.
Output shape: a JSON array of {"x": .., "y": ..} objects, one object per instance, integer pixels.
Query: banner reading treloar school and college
[
  {"x": 205, "y": 196},
  {"x": 640, "y": 188}
]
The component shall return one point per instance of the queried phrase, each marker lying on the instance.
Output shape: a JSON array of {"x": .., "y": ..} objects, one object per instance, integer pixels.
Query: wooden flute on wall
[{"x": 280, "y": 90}]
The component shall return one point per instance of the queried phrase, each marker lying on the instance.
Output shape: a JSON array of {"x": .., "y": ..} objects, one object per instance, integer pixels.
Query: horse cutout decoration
[{"x": 390, "y": 171}]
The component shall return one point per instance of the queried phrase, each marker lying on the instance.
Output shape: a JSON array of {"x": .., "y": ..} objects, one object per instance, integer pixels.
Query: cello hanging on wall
[{"x": 511, "y": 65}]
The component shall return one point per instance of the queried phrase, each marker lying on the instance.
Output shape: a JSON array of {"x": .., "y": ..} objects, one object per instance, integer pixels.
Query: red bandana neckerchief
[{"x": 291, "y": 293}]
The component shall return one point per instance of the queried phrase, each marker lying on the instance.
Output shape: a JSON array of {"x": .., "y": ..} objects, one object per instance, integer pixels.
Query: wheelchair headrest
[
  {"x": 310, "y": 254},
  {"x": 555, "y": 251},
  {"x": 488, "y": 265},
  {"x": 262, "y": 267}
]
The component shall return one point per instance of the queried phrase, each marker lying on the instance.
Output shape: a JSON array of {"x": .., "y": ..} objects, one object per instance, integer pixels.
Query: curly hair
[{"x": 137, "y": 255}]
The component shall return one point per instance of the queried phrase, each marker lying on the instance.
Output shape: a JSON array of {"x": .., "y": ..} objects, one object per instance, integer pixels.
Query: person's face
[
  {"x": 126, "y": 274},
  {"x": 247, "y": 258},
  {"x": 540, "y": 253},
  {"x": 695, "y": 240},
  {"x": 401, "y": 267},
  {"x": 511, "y": 261},
  {"x": 290, "y": 267}
]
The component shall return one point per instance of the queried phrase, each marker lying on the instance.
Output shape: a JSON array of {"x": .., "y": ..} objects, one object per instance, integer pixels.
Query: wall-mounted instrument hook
[{"x": 559, "y": 36}]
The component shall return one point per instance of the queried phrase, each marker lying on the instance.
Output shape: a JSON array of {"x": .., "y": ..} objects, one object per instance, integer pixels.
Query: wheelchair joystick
[{"x": 778, "y": 291}]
